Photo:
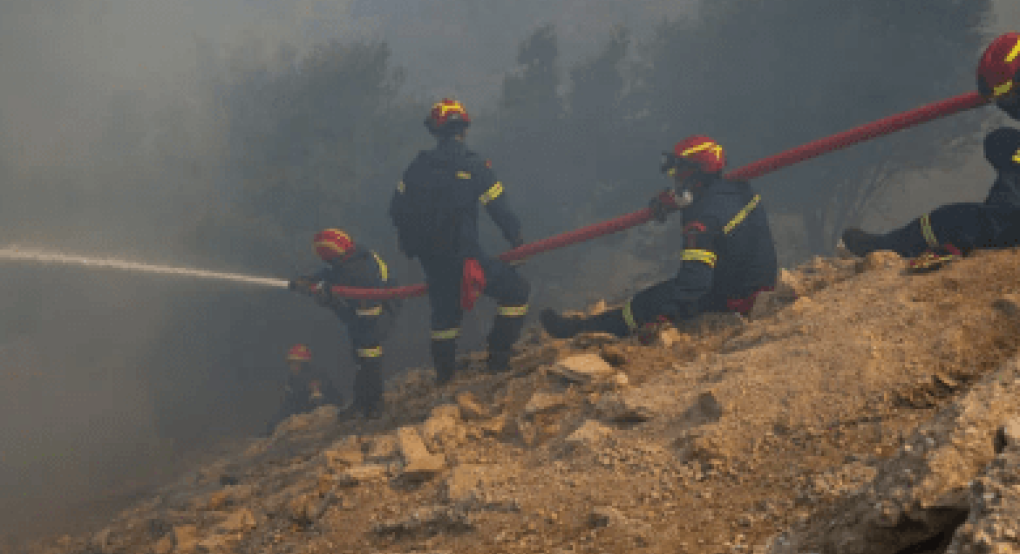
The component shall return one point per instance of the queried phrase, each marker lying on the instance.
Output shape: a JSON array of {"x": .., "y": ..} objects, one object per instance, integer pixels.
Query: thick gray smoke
[{"x": 222, "y": 135}]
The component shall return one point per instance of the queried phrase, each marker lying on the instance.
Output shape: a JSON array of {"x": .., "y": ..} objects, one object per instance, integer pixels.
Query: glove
[
  {"x": 322, "y": 294},
  {"x": 668, "y": 201}
]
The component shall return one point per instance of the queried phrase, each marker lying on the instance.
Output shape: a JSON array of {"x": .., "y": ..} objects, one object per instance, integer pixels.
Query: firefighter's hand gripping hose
[{"x": 765, "y": 166}]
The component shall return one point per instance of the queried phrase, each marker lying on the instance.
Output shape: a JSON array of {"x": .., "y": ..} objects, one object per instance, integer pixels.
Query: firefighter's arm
[
  {"x": 493, "y": 197},
  {"x": 698, "y": 258}
]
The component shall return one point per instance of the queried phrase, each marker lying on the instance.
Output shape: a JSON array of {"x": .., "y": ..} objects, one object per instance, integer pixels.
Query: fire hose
[{"x": 765, "y": 166}]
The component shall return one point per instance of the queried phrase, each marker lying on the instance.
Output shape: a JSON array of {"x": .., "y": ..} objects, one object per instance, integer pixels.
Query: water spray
[{"x": 15, "y": 253}]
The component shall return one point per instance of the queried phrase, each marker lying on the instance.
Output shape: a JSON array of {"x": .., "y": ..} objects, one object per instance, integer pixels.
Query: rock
[
  {"x": 357, "y": 475},
  {"x": 583, "y": 368},
  {"x": 442, "y": 430},
  {"x": 470, "y": 408},
  {"x": 100, "y": 542},
  {"x": 165, "y": 545},
  {"x": 429, "y": 520},
  {"x": 881, "y": 259},
  {"x": 542, "y": 402},
  {"x": 802, "y": 306},
  {"x": 419, "y": 462},
  {"x": 465, "y": 482},
  {"x": 706, "y": 409},
  {"x": 237, "y": 522},
  {"x": 588, "y": 434},
  {"x": 788, "y": 286},
  {"x": 623, "y": 408},
  {"x": 1008, "y": 436},
  {"x": 344, "y": 453},
  {"x": 383, "y": 448},
  {"x": 613, "y": 355},
  {"x": 185, "y": 539},
  {"x": 608, "y": 516},
  {"x": 494, "y": 426}
]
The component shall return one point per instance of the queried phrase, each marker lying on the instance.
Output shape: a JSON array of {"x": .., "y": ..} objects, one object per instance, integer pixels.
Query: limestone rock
[
  {"x": 361, "y": 474},
  {"x": 1009, "y": 435},
  {"x": 383, "y": 448},
  {"x": 185, "y": 539},
  {"x": 419, "y": 462},
  {"x": 237, "y": 522},
  {"x": 881, "y": 259},
  {"x": 588, "y": 434},
  {"x": 443, "y": 429},
  {"x": 583, "y": 368},
  {"x": 465, "y": 482},
  {"x": 471, "y": 408},
  {"x": 343, "y": 457},
  {"x": 542, "y": 402}
]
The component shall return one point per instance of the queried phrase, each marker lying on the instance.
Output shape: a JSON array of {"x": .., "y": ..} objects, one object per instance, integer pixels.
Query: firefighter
[
  {"x": 368, "y": 321},
  {"x": 306, "y": 389},
  {"x": 435, "y": 210},
  {"x": 998, "y": 74},
  {"x": 954, "y": 230},
  {"x": 728, "y": 255}
]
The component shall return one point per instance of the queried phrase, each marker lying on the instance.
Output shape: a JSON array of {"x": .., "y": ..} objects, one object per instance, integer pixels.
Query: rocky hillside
[{"x": 858, "y": 410}]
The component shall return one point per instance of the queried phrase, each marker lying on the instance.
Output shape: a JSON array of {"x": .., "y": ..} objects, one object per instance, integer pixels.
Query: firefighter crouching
[
  {"x": 368, "y": 321},
  {"x": 435, "y": 210},
  {"x": 728, "y": 256},
  {"x": 954, "y": 230},
  {"x": 307, "y": 388}
]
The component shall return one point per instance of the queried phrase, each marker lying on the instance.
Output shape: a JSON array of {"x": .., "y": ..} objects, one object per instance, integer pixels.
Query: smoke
[{"x": 221, "y": 135}]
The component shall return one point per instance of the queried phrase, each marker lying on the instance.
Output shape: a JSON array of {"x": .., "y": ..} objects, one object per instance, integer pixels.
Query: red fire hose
[{"x": 810, "y": 150}]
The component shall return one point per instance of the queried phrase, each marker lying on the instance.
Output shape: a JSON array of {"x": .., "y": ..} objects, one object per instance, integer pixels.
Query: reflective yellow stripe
[
  {"x": 463, "y": 175},
  {"x": 1014, "y": 53},
  {"x": 384, "y": 271},
  {"x": 369, "y": 311},
  {"x": 1016, "y": 157},
  {"x": 716, "y": 149},
  {"x": 370, "y": 352},
  {"x": 401, "y": 187},
  {"x": 742, "y": 214},
  {"x": 628, "y": 316},
  {"x": 512, "y": 311},
  {"x": 704, "y": 256},
  {"x": 929, "y": 235},
  {"x": 1002, "y": 89},
  {"x": 445, "y": 334},
  {"x": 492, "y": 193}
]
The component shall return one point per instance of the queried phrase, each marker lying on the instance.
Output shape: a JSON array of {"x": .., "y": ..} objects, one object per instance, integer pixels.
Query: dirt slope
[{"x": 866, "y": 415}]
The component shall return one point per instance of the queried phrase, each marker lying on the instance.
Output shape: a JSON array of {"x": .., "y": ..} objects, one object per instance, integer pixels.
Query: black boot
[
  {"x": 444, "y": 359},
  {"x": 858, "y": 242},
  {"x": 499, "y": 361},
  {"x": 368, "y": 388},
  {"x": 561, "y": 327}
]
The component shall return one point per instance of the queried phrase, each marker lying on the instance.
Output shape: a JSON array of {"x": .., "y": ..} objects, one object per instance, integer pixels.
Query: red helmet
[
  {"x": 299, "y": 353},
  {"x": 447, "y": 117},
  {"x": 695, "y": 152},
  {"x": 332, "y": 244},
  {"x": 999, "y": 69}
]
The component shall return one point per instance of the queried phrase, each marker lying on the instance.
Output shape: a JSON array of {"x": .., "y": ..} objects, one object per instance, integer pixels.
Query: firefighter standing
[
  {"x": 435, "y": 210},
  {"x": 306, "y": 389},
  {"x": 728, "y": 256},
  {"x": 955, "y": 229},
  {"x": 998, "y": 74},
  {"x": 368, "y": 321}
]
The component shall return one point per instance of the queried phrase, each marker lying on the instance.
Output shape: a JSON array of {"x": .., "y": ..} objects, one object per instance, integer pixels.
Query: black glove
[{"x": 323, "y": 295}]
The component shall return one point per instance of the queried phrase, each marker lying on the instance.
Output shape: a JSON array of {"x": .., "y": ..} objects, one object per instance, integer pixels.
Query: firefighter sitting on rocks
[
  {"x": 728, "y": 255},
  {"x": 954, "y": 230},
  {"x": 435, "y": 210},
  {"x": 307, "y": 388},
  {"x": 998, "y": 75},
  {"x": 368, "y": 321}
]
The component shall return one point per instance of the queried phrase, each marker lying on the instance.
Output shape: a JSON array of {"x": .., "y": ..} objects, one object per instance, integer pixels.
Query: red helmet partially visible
[
  {"x": 332, "y": 244},
  {"x": 299, "y": 353},
  {"x": 447, "y": 117},
  {"x": 695, "y": 152},
  {"x": 998, "y": 74}
]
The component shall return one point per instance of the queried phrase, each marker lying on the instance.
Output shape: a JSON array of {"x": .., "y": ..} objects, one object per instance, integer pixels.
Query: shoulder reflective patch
[
  {"x": 491, "y": 194},
  {"x": 384, "y": 271},
  {"x": 1016, "y": 157},
  {"x": 704, "y": 256},
  {"x": 401, "y": 187},
  {"x": 741, "y": 215},
  {"x": 463, "y": 175}
]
